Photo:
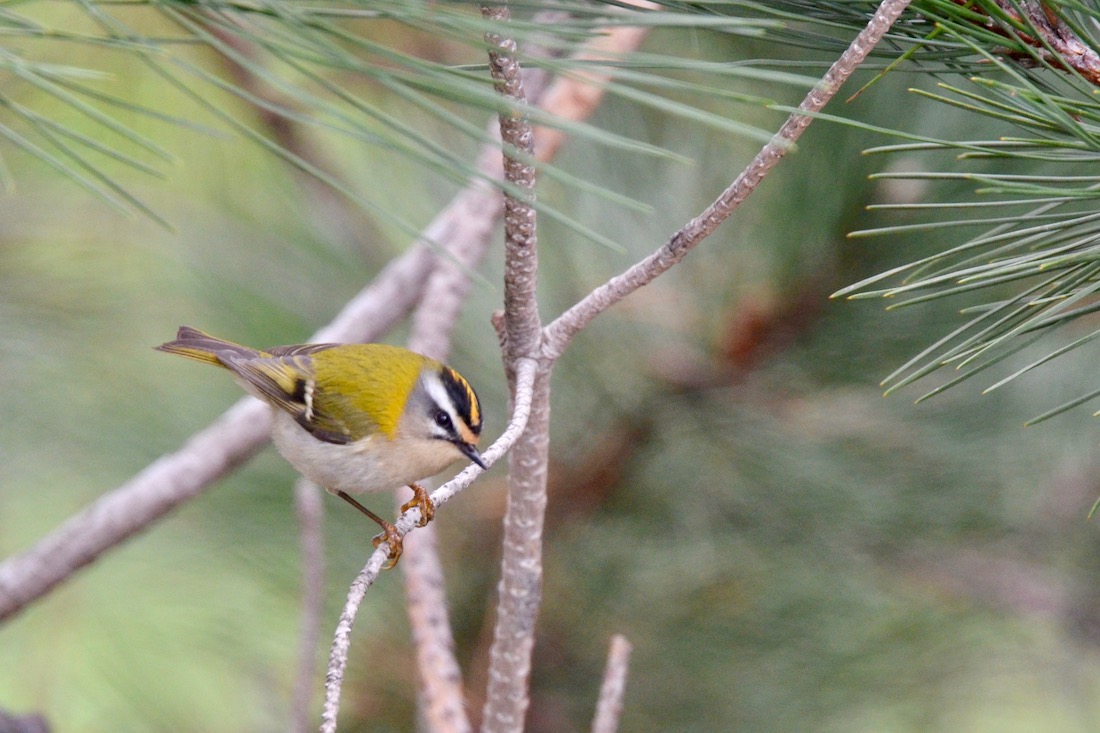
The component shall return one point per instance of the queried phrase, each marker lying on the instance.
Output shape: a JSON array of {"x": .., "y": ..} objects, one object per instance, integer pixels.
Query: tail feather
[{"x": 194, "y": 344}]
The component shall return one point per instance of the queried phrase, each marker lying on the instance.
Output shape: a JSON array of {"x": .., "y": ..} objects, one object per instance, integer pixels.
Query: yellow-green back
[{"x": 366, "y": 385}]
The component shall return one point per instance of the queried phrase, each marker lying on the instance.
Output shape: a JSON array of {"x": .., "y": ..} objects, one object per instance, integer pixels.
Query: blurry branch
[
  {"x": 442, "y": 701},
  {"x": 338, "y": 657},
  {"x": 118, "y": 515},
  {"x": 308, "y": 497},
  {"x": 209, "y": 454},
  {"x": 23, "y": 723},
  {"x": 529, "y": 350},
  {"x": 609, "y": 706},
  {"x": 310, "y": 509},
  {"x": 574, "y": 97}
]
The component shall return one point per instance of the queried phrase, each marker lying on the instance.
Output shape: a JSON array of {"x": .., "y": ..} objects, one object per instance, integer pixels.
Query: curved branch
[{"x": 341, "y": 643}]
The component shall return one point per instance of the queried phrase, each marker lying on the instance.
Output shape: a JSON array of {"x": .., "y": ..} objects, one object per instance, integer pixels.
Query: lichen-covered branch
[{"x": 520, "y": 588}]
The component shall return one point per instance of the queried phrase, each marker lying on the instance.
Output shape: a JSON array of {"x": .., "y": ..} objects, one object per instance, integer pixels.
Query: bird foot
[
  {"x": 392, "y": 538},
  {"x": 422, "y": 501}
]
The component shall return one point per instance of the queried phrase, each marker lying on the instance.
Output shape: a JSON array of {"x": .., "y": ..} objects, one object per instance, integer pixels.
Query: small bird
[{"x": 355, "y": 418}]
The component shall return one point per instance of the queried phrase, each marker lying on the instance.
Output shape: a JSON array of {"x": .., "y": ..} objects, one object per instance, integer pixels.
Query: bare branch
[
  {"x": 609, "y": 707},
  {"x": 208, "y": 455},
  {"x": 431, "y": 330},
  {"x": 341, "y": 644},
  {"x": 520, "y": 590},
  {"x": 521, "y": 316},
  {"x": 520, "y": 587},
  {"x": 310, "y": 508},
  {"x": 562, "y": 330},
  {"x": 442, "y": 700},
  {"x": 161, "y": 487}
]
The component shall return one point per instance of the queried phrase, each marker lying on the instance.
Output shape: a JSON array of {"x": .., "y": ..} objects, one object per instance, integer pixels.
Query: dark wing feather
[
  {"x": 282, "y": 382},
  {"x": 286, "y": 381}
]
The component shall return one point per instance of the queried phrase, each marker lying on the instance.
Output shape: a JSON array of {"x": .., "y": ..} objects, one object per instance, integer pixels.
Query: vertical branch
[
  {"x": 520, "y": 586},
  {"x": 521, "y": 318},
  {"x": 609, "y": 707},
  {"x": 309, "y": 507},
  {"x": 441, "y": 700}
]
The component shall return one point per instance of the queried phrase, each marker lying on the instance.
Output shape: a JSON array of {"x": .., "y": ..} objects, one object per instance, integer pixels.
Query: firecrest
[{"x": 355, "y": 418}]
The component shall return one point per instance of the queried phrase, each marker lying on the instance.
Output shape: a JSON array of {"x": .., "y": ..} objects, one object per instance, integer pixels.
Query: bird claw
[
  {"x": 422, "y": 501},
  {"x": 392, "y": 538}
]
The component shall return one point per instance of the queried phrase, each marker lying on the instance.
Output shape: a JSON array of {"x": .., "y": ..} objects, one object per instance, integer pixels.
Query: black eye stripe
[{"x": 463, "y": 398}]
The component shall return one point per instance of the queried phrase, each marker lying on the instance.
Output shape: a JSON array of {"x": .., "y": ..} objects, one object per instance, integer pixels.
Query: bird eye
[{"x": 443, "y": 420}]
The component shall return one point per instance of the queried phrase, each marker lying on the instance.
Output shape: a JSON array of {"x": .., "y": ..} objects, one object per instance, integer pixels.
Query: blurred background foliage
[{"x": 785, "y": 548}]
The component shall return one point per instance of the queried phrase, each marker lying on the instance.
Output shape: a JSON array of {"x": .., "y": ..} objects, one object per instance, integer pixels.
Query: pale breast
[{"x": 371, "y": 464}]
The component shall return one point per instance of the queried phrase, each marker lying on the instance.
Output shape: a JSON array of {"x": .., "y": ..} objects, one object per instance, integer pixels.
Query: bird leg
[
  {"x": 389, "y": 535},
  {"x": 422, "y": 501}
]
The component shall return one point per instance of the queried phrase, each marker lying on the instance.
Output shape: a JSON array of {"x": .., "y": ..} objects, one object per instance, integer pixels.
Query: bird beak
[{"x": 470, "y": 451}]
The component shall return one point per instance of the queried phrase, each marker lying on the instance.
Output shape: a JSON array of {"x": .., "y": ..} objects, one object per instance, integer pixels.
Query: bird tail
[{"x": 194, "y": 344}]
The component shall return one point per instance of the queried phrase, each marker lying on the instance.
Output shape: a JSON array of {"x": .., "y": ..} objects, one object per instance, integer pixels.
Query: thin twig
[
  {"x": 310, "y": 510},
  {"x": 341, "y": 644},
  {"x": 563, "y": 329},
  {"x": 609, "y": 706}
]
